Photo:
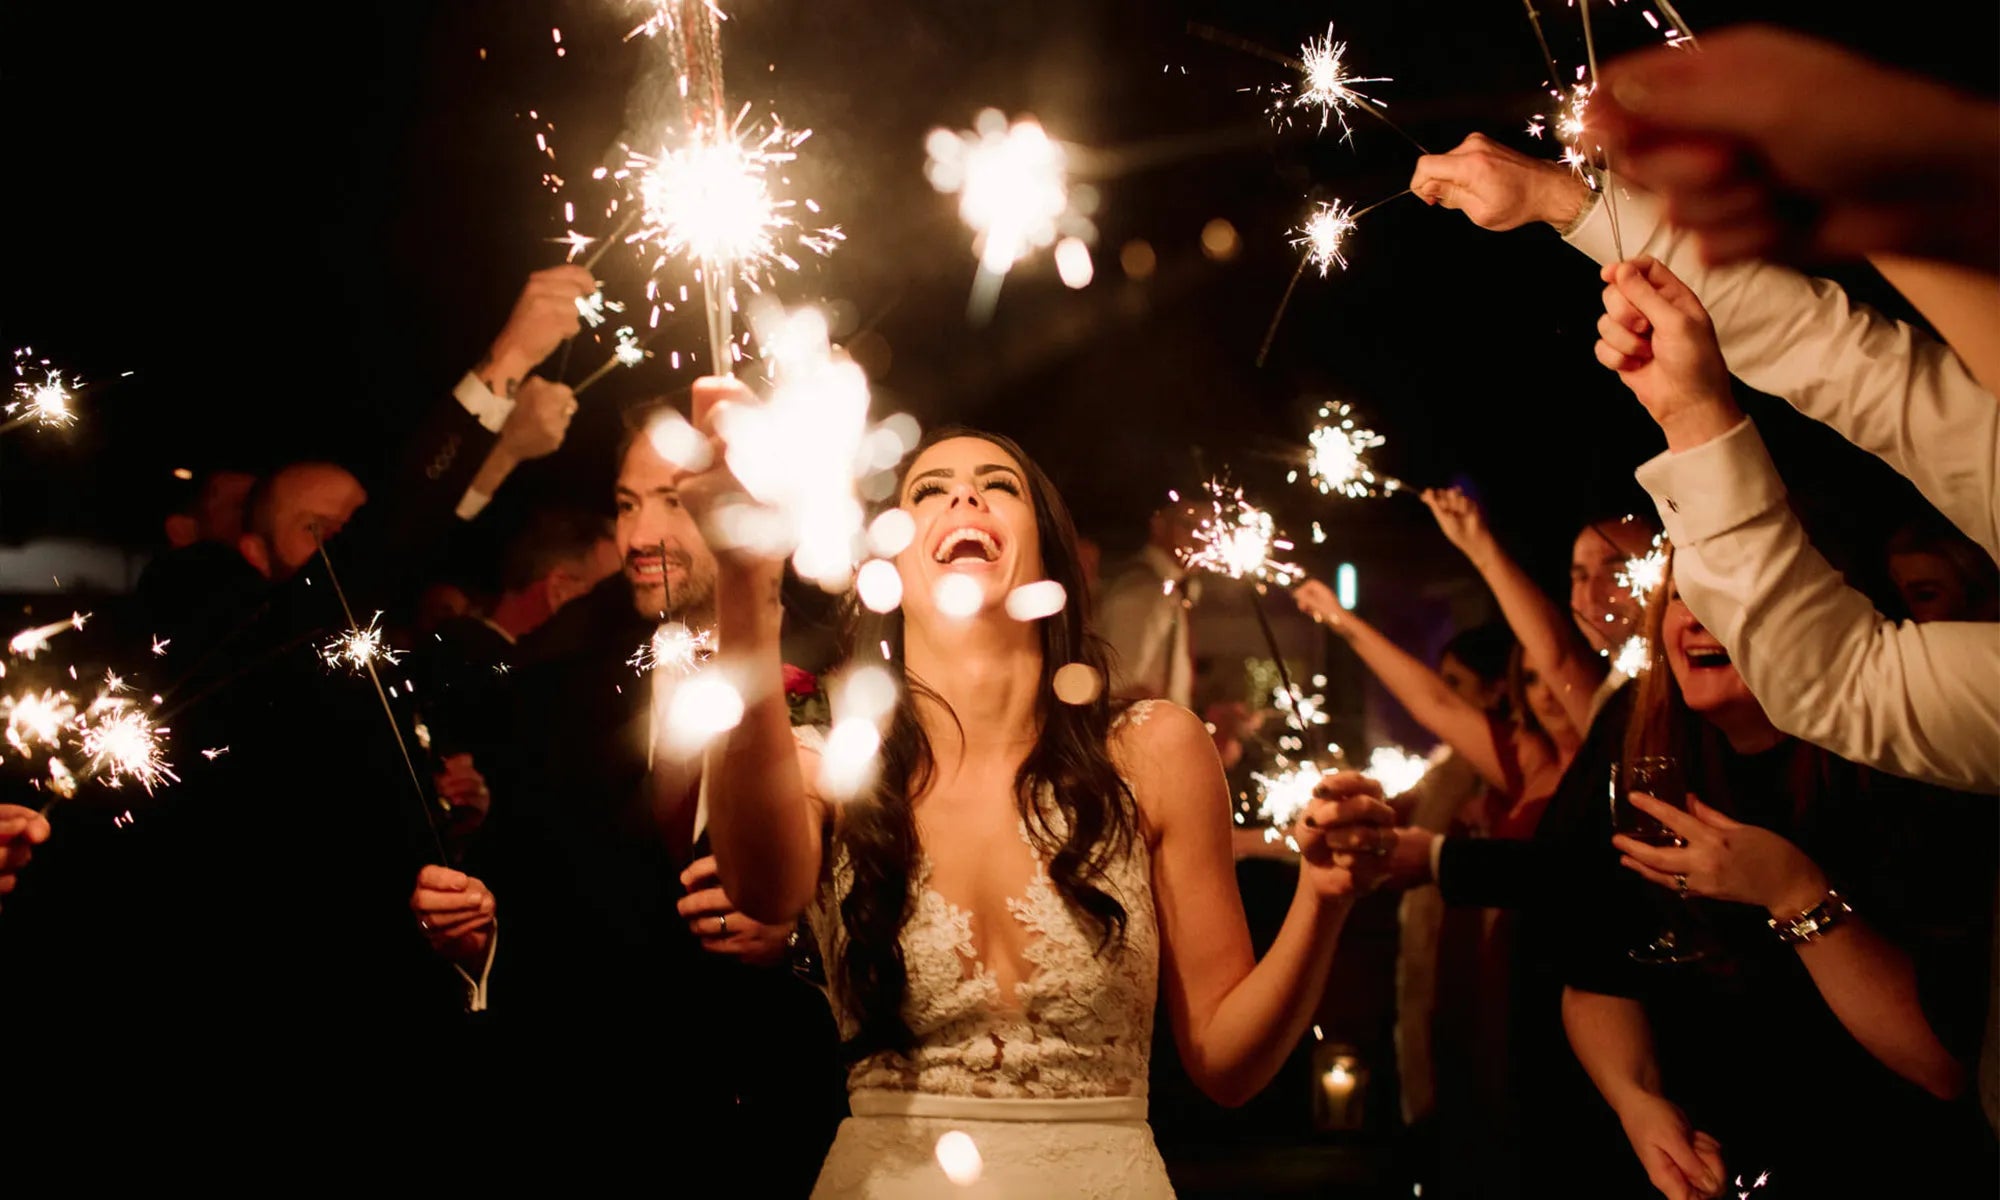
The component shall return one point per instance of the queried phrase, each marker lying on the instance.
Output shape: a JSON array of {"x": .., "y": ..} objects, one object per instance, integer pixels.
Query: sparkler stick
[
  {"x": 1324, "y": 236},
  {"x": 1610, "y": 193},
  {"x": 611, "y": 239},
  {"x": 1293, "y": 710},
  {"x": 368, "y": 664},
  {"x": 1548, "y": 59},
  {"x": 1680, "y": 26},
  {"x": 630, "y": 353}
]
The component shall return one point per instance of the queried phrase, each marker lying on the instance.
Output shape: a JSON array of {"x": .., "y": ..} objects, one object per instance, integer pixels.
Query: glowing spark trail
[
  {"x": 1012, "y": 184},
  {"x": 1338, "y": 459},
  {"x": 30, "y": 642},
  {"x": 37, "y": 719},
  {"x": 359, "y": 649},
  {"x": 45, "y": 402}
]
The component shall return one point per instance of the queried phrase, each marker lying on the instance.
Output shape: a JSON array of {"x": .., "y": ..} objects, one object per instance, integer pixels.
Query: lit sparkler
[
  {"x": 673, "y": 647},
  {"x": 1238, "y": 539},
  {"x": 44, "y": 402},
  {"x": 593, "y": 307},
  {"x": 1012, "y": 184},
  {"x": 1322, "y": 241},
  {"x": 38, "y": 719},
  {"x": 629, "y": 352},
  {"x": 1284, "y": 797},
  {"x": 1633, "y": 657},
  {"x": 358, "y": 649},
  {"x": 1397, "y": 770},
  {"x": 1338, "y": 461},
  {"x": 124, "y": 743},
  {"x": 1643, "y": 574},
  {"x": 1325, "y": 84},
  {"x": 802, "y": 453},
  {"x": 1306, "y": 710}
]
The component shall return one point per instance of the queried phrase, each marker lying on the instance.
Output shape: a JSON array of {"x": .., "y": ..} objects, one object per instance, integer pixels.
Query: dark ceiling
[{"x": 295, "y": 227}]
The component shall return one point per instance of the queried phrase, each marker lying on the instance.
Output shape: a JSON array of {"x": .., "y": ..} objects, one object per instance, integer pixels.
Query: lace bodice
[{"x": 1079, "y": 1024}]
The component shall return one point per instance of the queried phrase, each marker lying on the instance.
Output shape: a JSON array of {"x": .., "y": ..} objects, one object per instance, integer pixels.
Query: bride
[{"x": 1000, "y": 913}]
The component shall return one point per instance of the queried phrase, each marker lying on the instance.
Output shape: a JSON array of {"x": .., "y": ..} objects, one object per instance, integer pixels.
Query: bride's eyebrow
[{"x": 996, "y": 469}]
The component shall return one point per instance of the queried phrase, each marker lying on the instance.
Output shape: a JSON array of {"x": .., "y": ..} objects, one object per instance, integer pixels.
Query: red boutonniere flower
[{"x": 803, "y": 696}]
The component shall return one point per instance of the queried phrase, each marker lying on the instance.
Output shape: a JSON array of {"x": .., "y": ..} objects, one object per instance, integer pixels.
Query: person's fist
[
  {"x": 1316, "y": 600},
  {"x": 1345, "y": 835},
  {"x": 21, "y": 830},
  {"x": 540, "y": 420},
  {"x": 454, "y": 911},
  {"x": 1458, "y": 517},
  {"x": 544, "y": 315},
  {"x": 1658, "y": 337},
  {"x": 1497, "y": 187}
]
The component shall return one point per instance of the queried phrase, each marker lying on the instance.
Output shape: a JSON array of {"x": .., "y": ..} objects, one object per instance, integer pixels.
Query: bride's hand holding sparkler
[
  {"x": 1497, "y": 187},
  {"x": 710, "y": 489},
  {"x": 1345, "y": 835},
  {"x": 21, "y": 830},
  {"x": 544, "y": 315},
  {"x": 1659, "y": 339}
]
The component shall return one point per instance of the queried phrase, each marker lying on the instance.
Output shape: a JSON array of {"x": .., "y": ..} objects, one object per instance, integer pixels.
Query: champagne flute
[{"x": 1658, "y": 776}]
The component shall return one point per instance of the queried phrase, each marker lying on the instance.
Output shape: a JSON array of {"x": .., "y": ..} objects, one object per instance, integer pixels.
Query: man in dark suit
[
  {"x": 626, "y": 992},
  {"x": 254, "y": 930}
]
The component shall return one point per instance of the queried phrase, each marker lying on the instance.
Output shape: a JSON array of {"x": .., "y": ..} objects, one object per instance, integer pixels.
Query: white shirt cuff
[
  {"x": 472, "y": 503},
  {"x": 1715, "y": 487},
  {"x": 479, "y": 400},
  {"x": 475, "y": 989}
]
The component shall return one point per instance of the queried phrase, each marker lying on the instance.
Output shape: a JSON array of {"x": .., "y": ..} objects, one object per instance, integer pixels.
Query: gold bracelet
[{"x": 1814, "y": 922}]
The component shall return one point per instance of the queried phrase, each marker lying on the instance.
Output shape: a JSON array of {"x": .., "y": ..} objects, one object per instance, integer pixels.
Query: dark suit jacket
[{"x": 598, "y": 989}]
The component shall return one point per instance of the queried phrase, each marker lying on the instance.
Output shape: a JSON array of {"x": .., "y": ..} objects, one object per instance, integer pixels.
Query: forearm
[
  {"x": 1257, "y": 1025},
  {"x": 1881, "y": 384},
  {"x": 1916, "y": 700},
  {"x": 1549, "y": 641},
  {"x": 1962, "y": 304},
  {"x": 499, "y": 464},
  {"x": 1428, "y": 699},
  {"x": 1614, "y": 1042},
  {"x": 1871, "y": 986},
  {"x": 760, "y": 819}
]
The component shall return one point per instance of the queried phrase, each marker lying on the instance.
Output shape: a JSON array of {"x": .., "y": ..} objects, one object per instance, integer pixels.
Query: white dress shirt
[
  {"x": 1143, "y": 615},
  {"x": 1916, "y": 700}
]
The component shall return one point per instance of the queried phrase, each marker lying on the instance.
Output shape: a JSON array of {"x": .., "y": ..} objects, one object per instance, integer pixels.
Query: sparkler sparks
[
  {"x": 1338, "y": 461},
  {"x": 1633, "y": 657},
  {"x": 123, "y": 743},
  {"x": 1238, "y": 539},
  {"x": 38, "y": 719},
  {"x": 1397, "y": 770},
  {"x": 1324, "y": 236},
  {"x": 1643, "y": 574},
  {"x": 356, "y": 649},
  {"x": 45, "y": 402},
  {"x": 710, "y": 201},
  {"x": 1012, "y": 183},
  {"x": 1283, "y": 797},
  {"x": 1325, "y": 84},
  {"x": 1310, "y": 710},
  {"x": 593, "y": 307},
  {"x": 674, "y": 647}
]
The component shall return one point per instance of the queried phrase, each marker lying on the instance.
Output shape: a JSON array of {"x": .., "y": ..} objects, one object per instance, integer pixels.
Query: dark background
[{"x": 296, "y": 225}]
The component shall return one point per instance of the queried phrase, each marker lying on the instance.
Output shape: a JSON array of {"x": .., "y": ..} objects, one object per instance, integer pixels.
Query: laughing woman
[{"x": 1001, "y": 911}]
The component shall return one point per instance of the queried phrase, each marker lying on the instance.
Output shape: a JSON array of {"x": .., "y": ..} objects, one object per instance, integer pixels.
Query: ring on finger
[
  {"x": 1681, "y": 885},
  {"x": 722, "y": 924},
  {"x": 1385, "y": 841}
]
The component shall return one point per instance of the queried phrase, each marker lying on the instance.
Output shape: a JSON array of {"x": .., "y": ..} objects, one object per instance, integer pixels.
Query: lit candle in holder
[{"x": 1339, "y": 1099}]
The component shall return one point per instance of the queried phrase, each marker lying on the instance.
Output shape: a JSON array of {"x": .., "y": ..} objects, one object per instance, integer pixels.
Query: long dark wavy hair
[{"x": 1070, "y": 758}]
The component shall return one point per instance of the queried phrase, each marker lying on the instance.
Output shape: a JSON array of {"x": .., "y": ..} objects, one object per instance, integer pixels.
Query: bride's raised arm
[
  {"x": 763, "y": 819},
  {"x": 1236, "y": 1019}
]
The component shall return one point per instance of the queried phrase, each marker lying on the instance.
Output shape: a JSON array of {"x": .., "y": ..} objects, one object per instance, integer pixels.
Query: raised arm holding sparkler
[{"x": 21, "y": 830}]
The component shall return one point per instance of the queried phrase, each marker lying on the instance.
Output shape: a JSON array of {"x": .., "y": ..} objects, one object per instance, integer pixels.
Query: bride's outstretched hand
[
  {"x": 1345, "y": 836},
  {"x": 710, "y": 487}
]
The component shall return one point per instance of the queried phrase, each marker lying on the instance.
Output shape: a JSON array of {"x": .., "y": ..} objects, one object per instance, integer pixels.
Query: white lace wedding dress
[{"x": 1049, "y": 1082}]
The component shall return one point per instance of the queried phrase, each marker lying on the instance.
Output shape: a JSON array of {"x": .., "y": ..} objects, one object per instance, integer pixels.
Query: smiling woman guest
[
  {"x": 1033, "y": 869},
  {"x": 1836, "y": 915}
]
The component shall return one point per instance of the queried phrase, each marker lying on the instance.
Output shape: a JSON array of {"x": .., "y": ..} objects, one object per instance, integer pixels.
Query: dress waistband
[{"x": 877, "y": 1102}]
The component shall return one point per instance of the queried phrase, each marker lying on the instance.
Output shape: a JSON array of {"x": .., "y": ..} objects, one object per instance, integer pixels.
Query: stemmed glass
[{"x": 1658, "y": 776}]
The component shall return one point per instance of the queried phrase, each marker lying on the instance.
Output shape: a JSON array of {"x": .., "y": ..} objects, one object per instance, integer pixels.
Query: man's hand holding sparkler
[
  {"x": 545, "y": 315},
  {"x": 21, "y": 830},
  {"x": 1659, "y": 339},
  {"x": 455, "y": 913},
  {"x": 1345, "y": 835},
  {"x": 1497, "y": 187}
]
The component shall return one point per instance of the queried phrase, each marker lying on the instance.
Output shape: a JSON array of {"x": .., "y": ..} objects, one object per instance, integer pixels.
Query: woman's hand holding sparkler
[
  {"x": 544, "y": 316},
  {"x": 1497, "y": 187},
  {"x": 1345, "y": 835},
  {"x": 1316, "y": 600},
  {"x": 1461, "y": 520},
  {"x": 710, "y": 487},
  {"x": 21, "y": 830},
  {"x": 455, "y": 912},
  {"x": 1659, "y": 339}
]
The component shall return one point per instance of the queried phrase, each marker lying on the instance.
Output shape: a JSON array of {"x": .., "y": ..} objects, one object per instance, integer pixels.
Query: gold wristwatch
[{"x": 1813, "y": 922}]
